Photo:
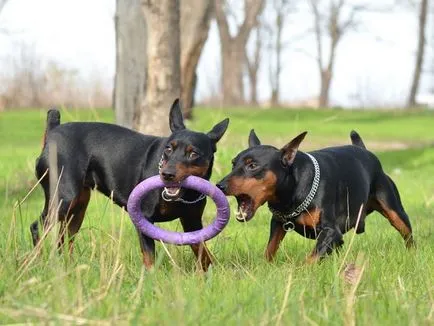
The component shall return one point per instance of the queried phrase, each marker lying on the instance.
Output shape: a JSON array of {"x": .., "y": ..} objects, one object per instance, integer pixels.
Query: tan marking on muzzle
[
  {"x": 183, "y": 171},
  {"x": 260, "y": 190}
]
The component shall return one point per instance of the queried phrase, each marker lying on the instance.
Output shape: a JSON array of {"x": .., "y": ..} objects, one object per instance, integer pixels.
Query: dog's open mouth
[
  {"x": 245, "y": 208},
  {"x": 172, "y": 192}
]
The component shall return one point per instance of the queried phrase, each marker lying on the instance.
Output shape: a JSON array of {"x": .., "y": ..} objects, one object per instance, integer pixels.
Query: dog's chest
[{"x": 167, "y": 211}]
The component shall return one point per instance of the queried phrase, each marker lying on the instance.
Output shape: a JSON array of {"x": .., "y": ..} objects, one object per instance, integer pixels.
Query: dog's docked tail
[
  {"x": 356, "y": 140},
  {"x": 53, "y": 120}
]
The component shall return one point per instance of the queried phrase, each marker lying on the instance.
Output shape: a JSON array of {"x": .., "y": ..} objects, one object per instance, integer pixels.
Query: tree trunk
[
  {"x": 232, "y": 55},
  {"x": 275, "y": 92},
  {"x": 163, "y": 57},
  {"x": 420, "y": 54},
  {"x": 326, "y": 78},
  {"x": 275, "y": 102},
  {"x": 195, "y": 21},
  {"x": 130, "y": 75},
  {"x": 233, "y": 49},
  {"x": 254, "y": 89},
  {"x": 253, "y": 67}
]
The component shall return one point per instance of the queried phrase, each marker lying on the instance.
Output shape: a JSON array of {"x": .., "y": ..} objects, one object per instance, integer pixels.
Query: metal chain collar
[
  {"x": 179, "y": 199},
  {"x": 286, "y": 217}
]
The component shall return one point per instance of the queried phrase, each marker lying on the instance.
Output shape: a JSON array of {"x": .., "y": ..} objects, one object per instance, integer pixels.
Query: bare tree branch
[
  {"x": 335, "y": 26},
  {"x": 252, "y": 10},
  {"x": 351, "y": 21},
  {"x": 253, "y": 66},
  {"x": 195, "y": 21},
  {"x": 423, "y": 12},
  {"x": 281, "y": 10},
  {"x": 222, "y": 22},
  {"x": 305, "y": 52},
  {"x": 317, "y": 29},
  {"x": 2, "y": 4}
]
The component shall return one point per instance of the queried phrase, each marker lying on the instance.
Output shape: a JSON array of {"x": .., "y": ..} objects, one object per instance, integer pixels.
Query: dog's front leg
[
  {"x": 277, "y": 233},
  {"x": 147, "y": 246},
  {"x": 328, "y": 239},
  {"x": 202, "y": 253}
]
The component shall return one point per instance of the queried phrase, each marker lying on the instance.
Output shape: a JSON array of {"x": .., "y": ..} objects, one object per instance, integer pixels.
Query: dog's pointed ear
[
  {"x": 176, "y": 121},
  {"x": 253, "y": 139},
  {"x": 218, "y": 130},
  {"x": 290, "y": 150}
]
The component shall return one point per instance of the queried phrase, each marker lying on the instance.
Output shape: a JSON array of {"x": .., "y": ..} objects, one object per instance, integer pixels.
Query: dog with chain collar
[
  {"x": 320, "y": 195},
  {"x": 113, "y": 160}
]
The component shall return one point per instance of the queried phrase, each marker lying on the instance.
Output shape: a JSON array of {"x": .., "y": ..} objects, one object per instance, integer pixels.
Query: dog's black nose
[
  {"x": 221, "y": 187},
  {"x": 168, "y": 176}
]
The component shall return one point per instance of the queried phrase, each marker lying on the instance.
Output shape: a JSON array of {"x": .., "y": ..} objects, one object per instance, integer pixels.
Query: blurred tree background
[{"x": 160, "y": 44}]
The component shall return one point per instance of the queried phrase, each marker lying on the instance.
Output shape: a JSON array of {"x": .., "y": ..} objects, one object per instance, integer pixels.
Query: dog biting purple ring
[{"x": 179, "y": 238}]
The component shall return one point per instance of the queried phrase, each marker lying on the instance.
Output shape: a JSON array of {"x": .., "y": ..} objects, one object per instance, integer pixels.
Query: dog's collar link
[
  {"x": 288, "y": 217},
  {"x": 168, "y": 199}
]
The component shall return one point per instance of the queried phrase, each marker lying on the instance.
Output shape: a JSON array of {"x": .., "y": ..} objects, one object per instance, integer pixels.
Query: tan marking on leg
[
  {"x": 273, "y": 245},
  {"x": 310, "y": 218},
  {"x": 397, "y": 223},
  {"x": 148, "y": 260},
  {"x": 75, "y": 221},
  {"x": 203, "y": 255},
  {"x": 313, "y": 258}
]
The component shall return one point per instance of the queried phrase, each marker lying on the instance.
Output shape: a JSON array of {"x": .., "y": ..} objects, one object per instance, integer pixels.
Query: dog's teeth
[
  {"x": 172, "y": 191},
  {"x": 241, "y": 215}
]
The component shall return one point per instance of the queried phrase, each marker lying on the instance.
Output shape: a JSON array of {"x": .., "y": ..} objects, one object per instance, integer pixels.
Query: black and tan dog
[
  {"x": 317, "y": 194},
  {"x": 114, "y": 160}
]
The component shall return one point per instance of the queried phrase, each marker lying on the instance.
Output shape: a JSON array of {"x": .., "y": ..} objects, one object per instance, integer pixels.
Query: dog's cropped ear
[
  {"x": 176, "y": 121},
  {"x": 290, "y": 150},
  {"x": 218, "y": 130},
  {"x": 253, "y": 139}
]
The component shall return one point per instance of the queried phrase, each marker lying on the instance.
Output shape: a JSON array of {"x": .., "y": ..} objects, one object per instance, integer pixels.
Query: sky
[{"x": 374, "y": 64}]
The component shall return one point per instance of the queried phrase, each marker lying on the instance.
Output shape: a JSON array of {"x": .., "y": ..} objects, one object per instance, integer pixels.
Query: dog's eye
[
  {"x": 252, "y": 166},
  {"x": 193, "y": 155},
  {"x": 168, "y": 150}
]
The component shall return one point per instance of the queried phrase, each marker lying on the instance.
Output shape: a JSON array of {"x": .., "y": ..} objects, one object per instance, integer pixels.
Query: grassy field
[{"x": 104, "y": 282}]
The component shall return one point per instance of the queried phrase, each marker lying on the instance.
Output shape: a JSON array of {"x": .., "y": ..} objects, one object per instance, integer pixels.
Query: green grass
[{"x": 104, "y": 282}]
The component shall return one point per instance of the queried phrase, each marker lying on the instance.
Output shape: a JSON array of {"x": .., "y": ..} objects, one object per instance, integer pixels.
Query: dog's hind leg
[
  {"x": 388, "y": 203},
  {"x": 72, "y": 202},
  {"x": 34, "y": 227},
  {"x": 76, "y": 215}
]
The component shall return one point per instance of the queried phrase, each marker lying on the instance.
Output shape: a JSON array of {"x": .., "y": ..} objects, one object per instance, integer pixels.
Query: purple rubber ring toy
[{"x": 179, "y": 238}]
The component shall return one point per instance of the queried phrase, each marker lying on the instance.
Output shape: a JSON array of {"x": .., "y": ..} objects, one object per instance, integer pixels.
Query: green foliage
[{"x": 104, "y": 282}]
